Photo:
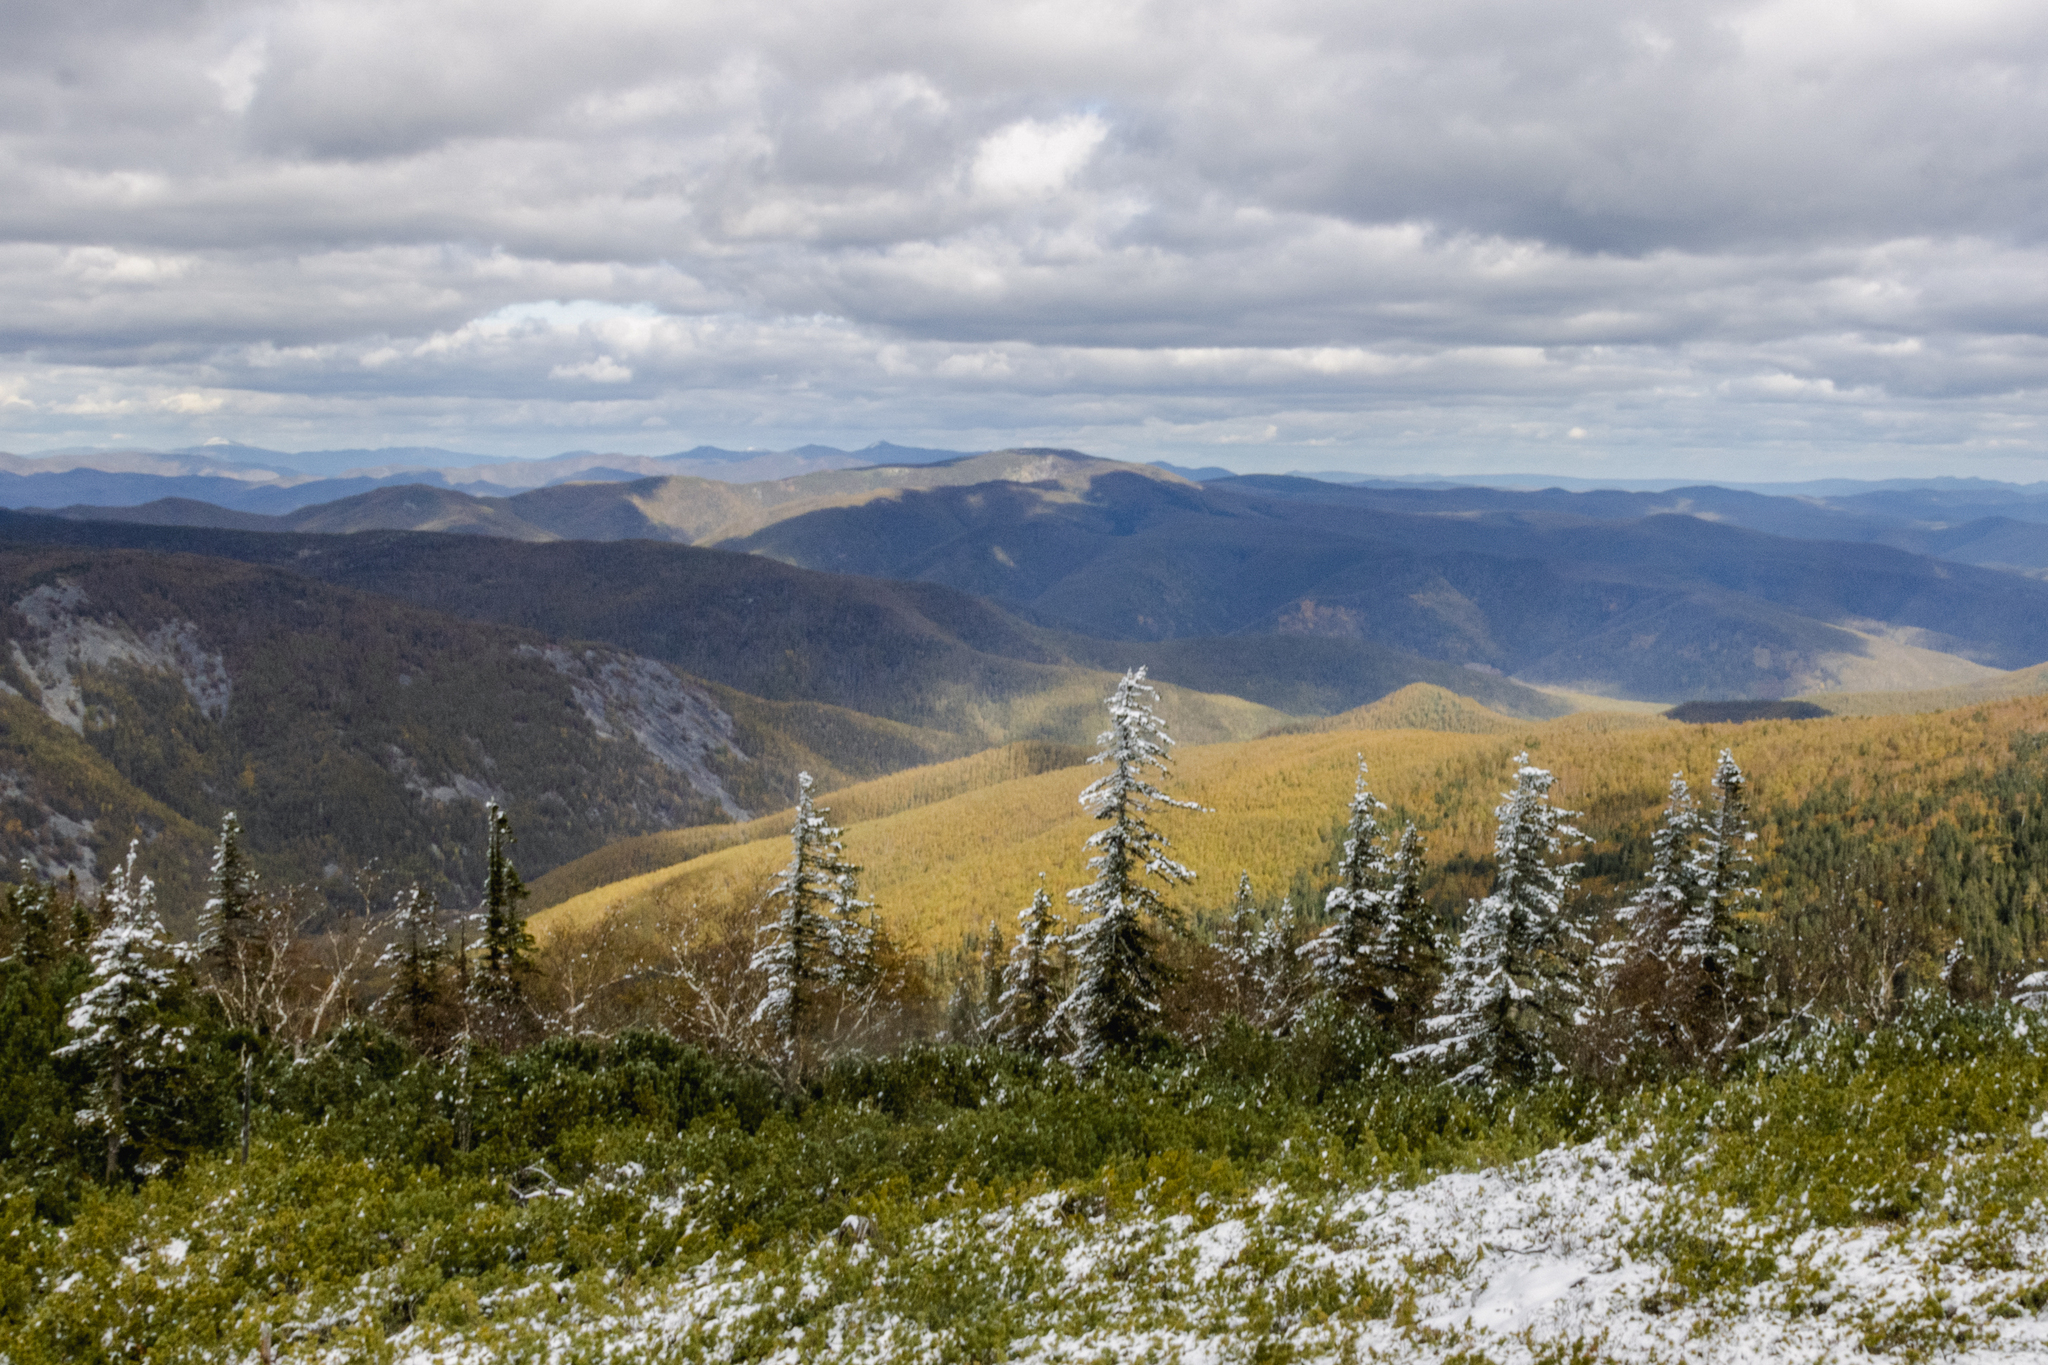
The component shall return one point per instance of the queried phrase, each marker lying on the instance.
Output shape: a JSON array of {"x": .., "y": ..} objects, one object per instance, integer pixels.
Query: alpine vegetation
[
  {"x": 1114, "y": 1004},
  {"x": 1514, "y": 988}
]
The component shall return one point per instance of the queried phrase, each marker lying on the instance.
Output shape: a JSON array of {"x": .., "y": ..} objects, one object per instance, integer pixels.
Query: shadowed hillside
[
  {"x": 150, "y": 694},
  {"x": 919, "y": 653}
]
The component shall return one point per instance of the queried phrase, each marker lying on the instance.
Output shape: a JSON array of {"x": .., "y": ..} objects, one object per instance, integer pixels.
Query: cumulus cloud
[{"x": 1469, "y": 234}]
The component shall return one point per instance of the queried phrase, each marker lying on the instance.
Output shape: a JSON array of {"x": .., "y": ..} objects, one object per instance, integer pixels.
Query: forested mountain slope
[
  {"x": 1939, "y": 817},
  {"x": 1661, "y": 607},
  {"x": 147, "y": 694},
  {"x": 919, "y": 653}
]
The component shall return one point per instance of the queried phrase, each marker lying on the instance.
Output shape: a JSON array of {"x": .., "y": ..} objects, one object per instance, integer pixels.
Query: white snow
[{"x": 1519, "y": 1265}]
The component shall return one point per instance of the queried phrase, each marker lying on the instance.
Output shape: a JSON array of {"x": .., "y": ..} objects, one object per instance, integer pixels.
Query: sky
[{"x": 1737, "y": 241}]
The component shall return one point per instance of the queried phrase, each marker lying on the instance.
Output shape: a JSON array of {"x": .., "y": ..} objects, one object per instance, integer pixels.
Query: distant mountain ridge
[
  {"x": 270, "y": 482},
  {"x": 1695, "y": 592}
]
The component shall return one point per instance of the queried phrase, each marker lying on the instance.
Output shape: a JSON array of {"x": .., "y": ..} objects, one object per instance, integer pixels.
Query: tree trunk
[{"x": 115, "y": 1124}]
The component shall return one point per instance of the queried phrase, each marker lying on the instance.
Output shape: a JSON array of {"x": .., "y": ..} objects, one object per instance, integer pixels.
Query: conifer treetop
[{"x": 1135, "y": 740}]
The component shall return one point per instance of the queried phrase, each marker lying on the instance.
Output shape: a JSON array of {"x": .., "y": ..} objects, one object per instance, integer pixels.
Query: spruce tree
[
  {"x": 1657, "y": 914},
  {"x": 816, "y": 932},
  {"x": 1409, "y": 957},
  {"x": 1277, "y": 971},
  {"x": 123, "y": 1019},
  {"x": 1342, "y": 957},
  {"x": 229, "y": 915},
  {"x": 1712, "y": 936},
  {"x": 1513, "y": 988},
  {"x": 993, "y": 960},
  {"x": 1023, "y": 1013},
  {"x": 33, "y": 919},
  {"x": 507, "y": 947},
  {"x": 1241, "y": 947},
  {"x": 1642, "y": 975},
  {"x": 417, "y": 959},
  {"x": 1114, "y": 1004}
]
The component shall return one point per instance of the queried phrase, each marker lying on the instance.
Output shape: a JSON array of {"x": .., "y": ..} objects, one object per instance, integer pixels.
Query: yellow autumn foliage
[{"x": 944, "y": 868}]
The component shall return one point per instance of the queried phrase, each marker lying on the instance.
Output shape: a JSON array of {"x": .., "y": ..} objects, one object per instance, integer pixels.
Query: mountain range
[
  {"x": 1698, "y": 592},
  {"x": 272, "y": 482},
  {"x": 613, "y": 658}
]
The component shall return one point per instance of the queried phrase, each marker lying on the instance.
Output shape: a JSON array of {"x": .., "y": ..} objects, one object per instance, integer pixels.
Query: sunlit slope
[
  {"x": 1275, "y": 805},
  {"x": 922, "y": 786},
  {"x": 1418, "y": 706},
  {"x": 2021, "y": 682}
]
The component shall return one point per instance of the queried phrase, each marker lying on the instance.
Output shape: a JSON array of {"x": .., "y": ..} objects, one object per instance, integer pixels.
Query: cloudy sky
[{"x": 1696, "y": 239}]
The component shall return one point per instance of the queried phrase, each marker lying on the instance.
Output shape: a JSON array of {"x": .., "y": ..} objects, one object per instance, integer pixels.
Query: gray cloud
[{"x": 1770, "y": 236}]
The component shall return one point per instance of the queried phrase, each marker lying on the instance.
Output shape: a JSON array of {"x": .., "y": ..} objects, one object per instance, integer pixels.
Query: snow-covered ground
[{"x": 1569, "y": 1257}]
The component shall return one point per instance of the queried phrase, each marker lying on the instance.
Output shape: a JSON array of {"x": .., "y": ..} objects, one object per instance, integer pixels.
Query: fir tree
[
  {"x": 1409, "y": 956},
  {"x": 1023, "y": 1013},
  {"x": 992, "y": 963},
  {"x": 1513, "y": 987},
  {"x": 1723, "y": 868},
  {"x": 507, "y": 947},
  {"x": 417, "y": 959},
  {"x": 815, "y": 932},
  {"x": 1262, "y": 962},
  {"x": 963, "y": 1014},
  {"x": 1644, "y": 997},
  {"x": 229, "y": 915},
  {"x": 32, "y": 912},
  {"x": 853, "y": 934},
  {"x": 123, "y": 1018},
  {"x": 1657, "y": 914},
  {"x": 1342, "y": 957},
  {"x": 1115, "y": 1000},
  {"x": 1277, "y": 971},
  {"x": 1242, "y": 947}
]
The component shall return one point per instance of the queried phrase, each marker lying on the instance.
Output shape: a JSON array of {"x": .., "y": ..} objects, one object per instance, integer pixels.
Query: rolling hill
[{"x": 1275, "y": 806}]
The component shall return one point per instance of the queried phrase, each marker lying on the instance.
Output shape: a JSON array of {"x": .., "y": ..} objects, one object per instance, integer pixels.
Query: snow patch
[{"x": 63, "y": 642}]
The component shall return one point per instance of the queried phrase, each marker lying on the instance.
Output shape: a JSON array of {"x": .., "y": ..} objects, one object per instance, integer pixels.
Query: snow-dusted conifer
[
  {"x": 121, "y": 1020},
  {"x": 1342, "y": 955},
  {"x": 1723, "y": 868},
  {"x": 1115, "y": 1000},
  {"x": 32, "y": 910},
  {"x": 417, "y": 959},
  {"x": 507, "y": 947},
  {"x": 1513, "y": 987},
  {"x": 1240, "y": 947},
  {"x": 1022, "y": 1016},
  {"x": 993, "y": 959},
  {"x": 964, "y": 1021},
  {"x": 853, "y": 934},
  {"x": 816, "y": 930},
  {"x": 1277, "y": 970},
  {"x": 1409, "y": 956},
  {"x": 1660, "y": 910},
  {"x": 229, "y": 915}
]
